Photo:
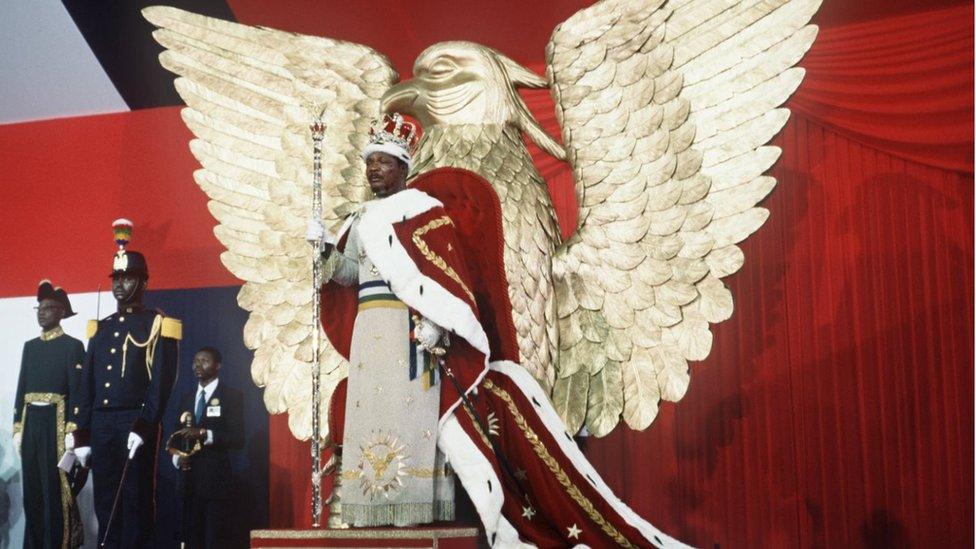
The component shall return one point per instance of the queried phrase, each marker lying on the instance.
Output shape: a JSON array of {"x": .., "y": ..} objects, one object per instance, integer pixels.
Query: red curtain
[{"x": 836, "y": 406}]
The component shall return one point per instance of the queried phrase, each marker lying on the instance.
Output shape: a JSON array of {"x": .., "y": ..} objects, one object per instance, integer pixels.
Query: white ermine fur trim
[
  {"x": 475, "y": 474},
  {"x": 392, "y": 149}
]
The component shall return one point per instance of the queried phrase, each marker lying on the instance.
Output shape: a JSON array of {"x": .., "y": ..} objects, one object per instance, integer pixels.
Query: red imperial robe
[{"x": 439, "y": 244}]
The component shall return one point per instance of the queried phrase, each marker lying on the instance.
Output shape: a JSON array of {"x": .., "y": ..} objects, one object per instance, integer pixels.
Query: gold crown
[{"x": 392, "y": 128}]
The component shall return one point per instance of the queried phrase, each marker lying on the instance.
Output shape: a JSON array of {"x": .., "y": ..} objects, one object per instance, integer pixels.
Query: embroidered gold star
[
  {"x": 427, "y": 434},
  {"x": 408, "y": 400},
  {"x": 528, "y": 512},
  {"x": 520, "y": 474},
  {"x": 573, "y": 532},
  {"x": 378, "y": 389}
]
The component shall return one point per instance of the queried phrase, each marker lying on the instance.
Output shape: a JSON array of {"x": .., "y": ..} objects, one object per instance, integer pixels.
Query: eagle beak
[{"x": 400, "y": 98}]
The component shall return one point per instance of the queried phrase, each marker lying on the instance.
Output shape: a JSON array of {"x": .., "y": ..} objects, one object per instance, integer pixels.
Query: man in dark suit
[{"x": 218, "y": 424}]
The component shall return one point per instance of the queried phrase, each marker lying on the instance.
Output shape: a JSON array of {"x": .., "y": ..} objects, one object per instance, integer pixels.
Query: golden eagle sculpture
[{"x": 665, "y": 110}]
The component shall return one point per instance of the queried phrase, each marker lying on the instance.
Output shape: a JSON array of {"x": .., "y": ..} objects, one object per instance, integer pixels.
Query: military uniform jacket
[
  {"x": 210, "y": 475},
  {"x": 131, "y": 362},
  {"x": 47, "y": 373}
]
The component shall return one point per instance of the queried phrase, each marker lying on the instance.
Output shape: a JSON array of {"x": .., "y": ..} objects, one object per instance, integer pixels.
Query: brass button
[
  {"x": 76, "y": 409},
  {"x": 121, "y": 319},
  {"x": 105, "y": 401},
  {"x": 77, "y": 366},
  {"x": 116, "y": 334},
  {"x": 109, "y": 367},
  {"x": 112, "y": 350},
  {"x": 108, "y": 384}
]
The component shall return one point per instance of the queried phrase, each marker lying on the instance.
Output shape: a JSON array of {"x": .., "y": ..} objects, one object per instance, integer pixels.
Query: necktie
[{"x": 201, "y": 403}]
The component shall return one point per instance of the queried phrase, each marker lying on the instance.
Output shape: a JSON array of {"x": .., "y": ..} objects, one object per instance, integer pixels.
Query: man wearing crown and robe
[
  {"x": 418, "y": 302},
  {"x": 391, "y": 470}
]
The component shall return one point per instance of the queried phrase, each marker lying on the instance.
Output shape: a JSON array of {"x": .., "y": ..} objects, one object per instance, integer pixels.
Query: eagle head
[{"x": 458, "y": 83}]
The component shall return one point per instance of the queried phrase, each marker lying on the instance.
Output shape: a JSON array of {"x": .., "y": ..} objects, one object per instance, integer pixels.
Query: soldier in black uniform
[
  {"x": 129, "y": 371},
  {"x": 47, "y": 370}
]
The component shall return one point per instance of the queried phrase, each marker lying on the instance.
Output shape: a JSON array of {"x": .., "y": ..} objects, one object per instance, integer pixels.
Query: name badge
[{"x": 213, "y": 411}]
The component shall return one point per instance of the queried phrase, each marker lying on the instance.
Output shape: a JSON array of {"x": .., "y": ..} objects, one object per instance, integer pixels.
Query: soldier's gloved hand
[
  {"x": 430, "y": 337},
  {"x": 315, "y": 231},
  {"x": 17, "y": 439},
  {"x": 69, "y": 441},
  {"x": 83, "y": 454},
  {"x": 135, "y": 441}
]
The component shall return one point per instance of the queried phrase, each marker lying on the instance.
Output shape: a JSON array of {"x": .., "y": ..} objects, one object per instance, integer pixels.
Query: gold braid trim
[
  {"x": 150, "y": 342},
  {"x": 53, "y": 333},
  {"x": 477, "y": 427},
  {"x": 557, "y": 471},
  {"x": 66, "y": 497},
  {"x": 437, "y": 260}
]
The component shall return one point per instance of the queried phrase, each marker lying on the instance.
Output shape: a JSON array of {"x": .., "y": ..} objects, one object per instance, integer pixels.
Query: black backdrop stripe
[{"x": 121, "y": 40}]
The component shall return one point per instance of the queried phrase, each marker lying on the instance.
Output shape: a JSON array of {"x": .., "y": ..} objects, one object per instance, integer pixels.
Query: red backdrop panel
[{"x": 70, "y": 178}]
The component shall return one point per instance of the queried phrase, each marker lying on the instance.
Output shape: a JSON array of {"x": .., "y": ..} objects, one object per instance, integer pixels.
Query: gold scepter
[{"x": 318, "y": 132}]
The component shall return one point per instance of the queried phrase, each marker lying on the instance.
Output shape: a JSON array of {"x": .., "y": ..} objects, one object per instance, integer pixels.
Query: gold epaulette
[
  {"x": 91, "y": 328},
  {"x": 172, "y": 328}
]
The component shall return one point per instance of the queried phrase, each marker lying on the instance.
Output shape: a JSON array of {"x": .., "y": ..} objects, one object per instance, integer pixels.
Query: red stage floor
[{"x": 448, "y": 537}]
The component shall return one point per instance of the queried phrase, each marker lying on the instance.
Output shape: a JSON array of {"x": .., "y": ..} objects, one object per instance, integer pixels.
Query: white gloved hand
[
  {"x": 18, "y": 437},
  {"x": 430, "y": 337},
  {"x": 83, "y": 454},
  {"x": 135, "y": 441},
  {"x": 69, "y": 441},
  {"x": 315, "y": 231}
]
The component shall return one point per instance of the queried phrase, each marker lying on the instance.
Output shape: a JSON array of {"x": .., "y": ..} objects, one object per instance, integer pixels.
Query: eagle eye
[{"x": 442, "y": 67}]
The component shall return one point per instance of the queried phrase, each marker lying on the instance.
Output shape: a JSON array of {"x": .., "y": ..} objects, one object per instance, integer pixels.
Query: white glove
[
  {"x": 316, "y": 232},
  {"x": 135, "y": 441},
  {"x": 17, "y": 439},
  {"x": 430, "y": 337},
  {"x": 83, "y": 454},
  {"x": 69, "y": 441}
]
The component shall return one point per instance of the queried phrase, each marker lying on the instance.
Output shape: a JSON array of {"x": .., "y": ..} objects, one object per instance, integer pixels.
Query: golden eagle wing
[
  {"x": 251, "y": 94},
  {"x": 665, "y": 110}
]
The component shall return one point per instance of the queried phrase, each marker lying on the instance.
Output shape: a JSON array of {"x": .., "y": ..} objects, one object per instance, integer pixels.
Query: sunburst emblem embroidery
[{"x": 383, "y": 465}]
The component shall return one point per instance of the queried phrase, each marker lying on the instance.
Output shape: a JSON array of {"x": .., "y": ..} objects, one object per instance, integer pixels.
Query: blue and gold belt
[{"x": 378, "y": 294}]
